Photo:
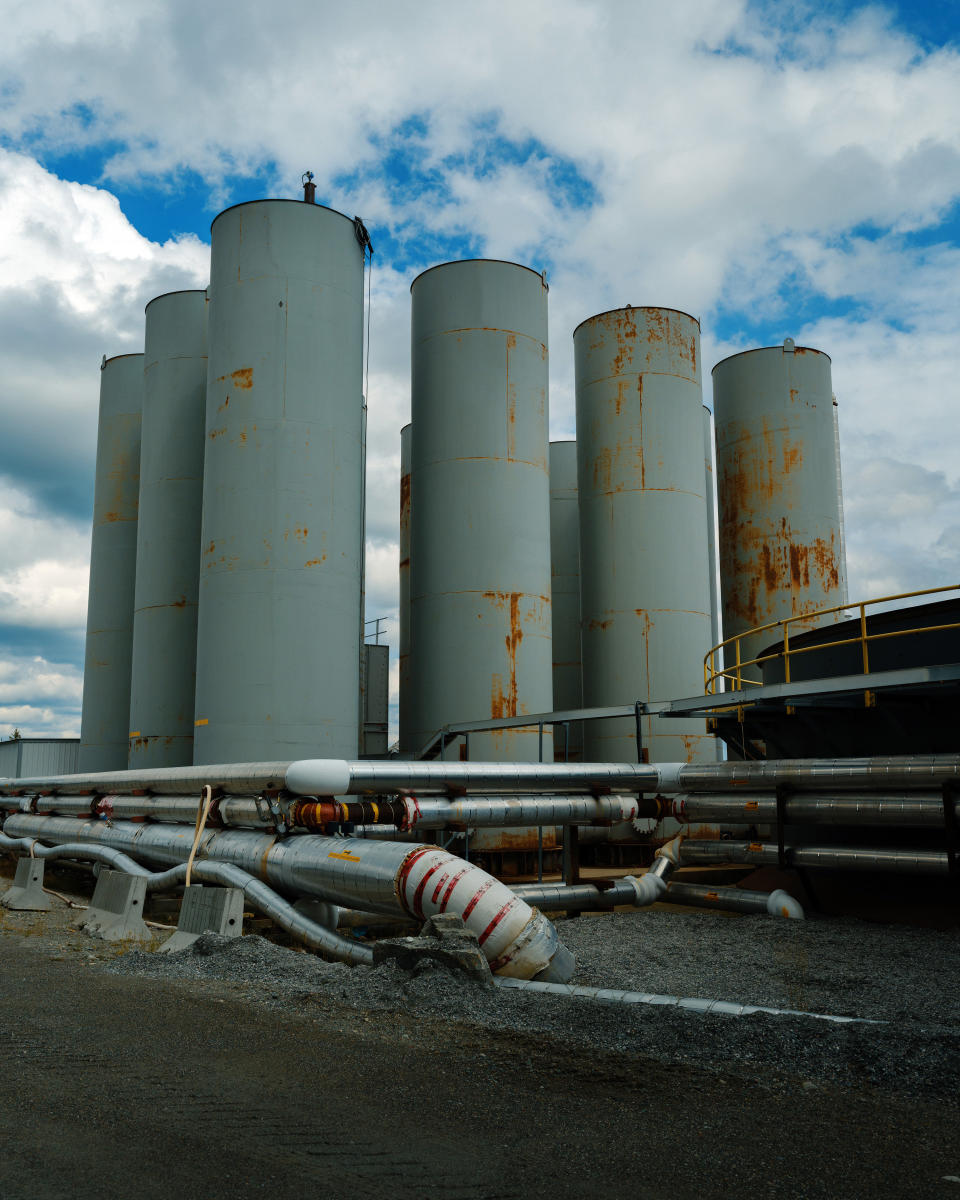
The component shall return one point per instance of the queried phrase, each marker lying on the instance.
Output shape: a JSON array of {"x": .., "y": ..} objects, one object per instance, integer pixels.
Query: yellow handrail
[{"x": 713, "y": 673}]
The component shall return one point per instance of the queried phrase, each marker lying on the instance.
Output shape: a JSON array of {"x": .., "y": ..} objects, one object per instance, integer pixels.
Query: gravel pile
[{"x": 904, "y": 977}]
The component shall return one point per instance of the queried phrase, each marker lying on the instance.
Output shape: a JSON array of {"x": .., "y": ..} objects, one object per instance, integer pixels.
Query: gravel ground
[
  {"x": 226, "y": 1070},
  {"x": 904, "y": 978}
]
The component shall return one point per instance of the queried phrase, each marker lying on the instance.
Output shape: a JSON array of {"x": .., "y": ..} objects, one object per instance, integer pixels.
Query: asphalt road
[{"x": 125, "y": 1086}]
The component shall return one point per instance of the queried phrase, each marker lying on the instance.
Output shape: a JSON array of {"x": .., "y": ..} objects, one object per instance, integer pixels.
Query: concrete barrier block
[
  {"x": 206, "y": 909},
  {"x": 116, "y": 910},
  {"x": 27, "y": 894}
]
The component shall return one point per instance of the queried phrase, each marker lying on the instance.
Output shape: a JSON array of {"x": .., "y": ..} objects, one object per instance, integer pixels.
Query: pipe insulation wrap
[
  {"x": 385, "y": 877},
  {"x": 480, "y": 811}
]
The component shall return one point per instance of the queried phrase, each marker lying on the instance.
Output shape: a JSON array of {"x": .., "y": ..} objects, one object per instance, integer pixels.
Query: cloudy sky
[{"x": 778, "y": 169}]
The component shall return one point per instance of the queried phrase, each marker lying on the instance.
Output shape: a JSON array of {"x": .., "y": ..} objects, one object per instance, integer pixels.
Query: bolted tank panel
[
  {"x": 163, "y": 676},
  {"x": 278, "y": 637},
  {"x": 645, "y": 591},
  {"x": 113, "y": 567},
  {"x": 406, "y": 448},
  {"x": 480, "y": 577},
  {"x": 779, "y": 513},
  {"x": 565, "y": 595}
]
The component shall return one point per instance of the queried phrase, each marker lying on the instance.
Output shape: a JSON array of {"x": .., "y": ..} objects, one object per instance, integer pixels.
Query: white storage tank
[
  {"x": 645, "y": 589},
  {"x": 278, "y": 639},
  {"x": 565, "y": 593},
  {"x": 163, "y": 679},
  {"x": 480, "y": 529},
  {"x": 780, "y": 528},
  {"x": 104, "y": 727}
]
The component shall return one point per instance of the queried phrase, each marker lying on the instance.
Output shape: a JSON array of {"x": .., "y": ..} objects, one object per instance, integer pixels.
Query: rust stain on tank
[
  {"x": 597, "y": 626},
  {"x": 404, "y": 499},
  {"x": 404, "y": 563},
  {"x": 243, "y": 378},
  {"x": 181, "y": 603},
  {"x": 316, "y": 562},
  {"x": 511, "y": 402},
  {"x": 602, "y": 465},
  {"x": 225, "y": 404},
  {"x": 243, "y": 434},
  {"x": 624, "y": 328},
  {"x": 301, "y": 533},
  {"x": 799, "y": 565},
  {"x": 112, "y": 516},
  {"x": 215, "y": 433}
]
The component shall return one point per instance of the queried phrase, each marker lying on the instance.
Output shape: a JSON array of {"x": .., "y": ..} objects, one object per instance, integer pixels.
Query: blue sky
[{"x": 778, "y": 170}]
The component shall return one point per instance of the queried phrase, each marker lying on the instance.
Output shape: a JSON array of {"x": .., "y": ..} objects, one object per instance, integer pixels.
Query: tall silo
[
  {"x": 163, "y": 678},
  {"x": 406, "y": 448},
  {"x": 113, "y": 567},
  {"x": 480, "y": 528},
  {"x": 645, "y": 591},
  {"x": 711, "y": 493},
  {"x": 565, "y": 594},
  {"x": 278, "y": 636},
  {"x": 779, "y": 525}
]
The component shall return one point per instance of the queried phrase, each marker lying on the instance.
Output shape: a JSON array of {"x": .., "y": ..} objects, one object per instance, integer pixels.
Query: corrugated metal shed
[{"x": 38, "y": 756}]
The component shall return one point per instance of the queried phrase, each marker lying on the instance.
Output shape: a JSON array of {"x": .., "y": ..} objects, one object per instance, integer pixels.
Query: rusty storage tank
[
  {"x": 645, "y": 591},
  {"x": 278, "y": 637},
  {"x": 403, "y": 649},
  {"x": 711, "y": 492},
  {"x": 779, "y": 508},
  {"x": 480, "y": 572},
  {"x": 113, "y": 566},
  {"x": 163, "y": 677},
  {"x": 565, "y": 596}
]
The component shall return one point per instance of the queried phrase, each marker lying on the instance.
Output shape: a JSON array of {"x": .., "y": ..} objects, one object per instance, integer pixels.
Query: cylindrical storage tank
[
  {"x": 565, "y": 595},
  {"x": 779, "y": 511},
  {"x": 711, "y": 492},
  {"x": 278, "y": 636},
  {"x": 163, "y": 677},
  {"x": 480, "y": 529},
  {"x": 113, "y": 568},
  {"x": 645, "y": 591},
  {"x": 406, "y": 449}
]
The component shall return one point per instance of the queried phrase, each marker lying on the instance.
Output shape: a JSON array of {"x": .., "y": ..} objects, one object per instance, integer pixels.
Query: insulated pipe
[
  {"x": 339, "y": 777},
  {"x": 777, "y": 903},
  {"x": 385, "y": 877},
  {"x": 518, "y": 810},
  {"x": 256, "y": 893},
  {"x": 819, "y": 774},
  {"x": 405, "y": 813},
  {"x": 580, "y": 897},
  {"x": 894, "y": 808},
  {"x": 311, "y": 777},
  {"x": 846, "y": 858},
  {"x": 713, "y": 1007}
]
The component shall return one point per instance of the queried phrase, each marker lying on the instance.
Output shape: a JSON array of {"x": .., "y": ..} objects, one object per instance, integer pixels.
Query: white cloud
[{"x": 719, "y": 157}]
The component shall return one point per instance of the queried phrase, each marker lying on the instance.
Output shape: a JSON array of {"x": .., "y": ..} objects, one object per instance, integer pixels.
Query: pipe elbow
[
  {"x": 671, "y": 850},
  {"x": 649, "y": 888},
  {"x": 782, "y": 904}
]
